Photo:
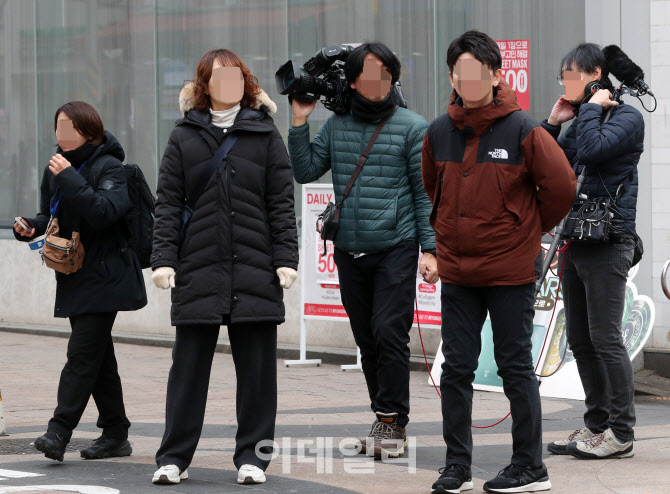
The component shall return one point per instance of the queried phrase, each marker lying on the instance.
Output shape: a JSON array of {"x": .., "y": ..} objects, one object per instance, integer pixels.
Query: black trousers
[
  {"x": 378, "y": 294},
  {"x": 463, "y": 315},
  {"x": 594, "y": 288},
  {"x": 91, "y": 369},
  {"x": 254, "y": 348}
]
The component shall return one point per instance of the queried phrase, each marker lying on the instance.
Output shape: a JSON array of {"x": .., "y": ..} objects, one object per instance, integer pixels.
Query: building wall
[
  {"x": 129, "y": 59},
  {"x": 659, "y": 250}
]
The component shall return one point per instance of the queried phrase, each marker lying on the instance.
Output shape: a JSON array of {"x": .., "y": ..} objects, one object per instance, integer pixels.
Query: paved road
[{"x": 319, "y": 407}]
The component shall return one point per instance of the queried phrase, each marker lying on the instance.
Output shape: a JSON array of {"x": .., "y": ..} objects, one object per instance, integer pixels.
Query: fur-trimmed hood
[{"x": 263, "y": 101}]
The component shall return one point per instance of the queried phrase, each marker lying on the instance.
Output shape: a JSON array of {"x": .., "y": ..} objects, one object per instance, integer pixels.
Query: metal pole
[
  {"x": 357, "y": 365},
  {"x": 303, "y": 327},
  {"x": 3, "y": 427}
]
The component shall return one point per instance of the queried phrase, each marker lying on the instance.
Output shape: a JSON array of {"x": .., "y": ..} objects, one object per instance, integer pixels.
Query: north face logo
[{"x": 499, "y": 154}]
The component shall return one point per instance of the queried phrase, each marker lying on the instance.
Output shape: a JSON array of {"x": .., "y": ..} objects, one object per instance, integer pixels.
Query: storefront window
[{"x": 130, "y": 59}]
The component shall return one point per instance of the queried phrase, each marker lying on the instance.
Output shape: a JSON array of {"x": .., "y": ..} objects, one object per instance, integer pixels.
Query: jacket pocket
[
  {"x": 436, "y": 199},
  {"x": 387, "y": 217},
  {"x": 510, "y": 190}
]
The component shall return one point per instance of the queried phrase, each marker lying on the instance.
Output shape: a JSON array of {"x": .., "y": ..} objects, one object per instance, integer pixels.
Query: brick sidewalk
[{"x": 320, "y": 405}]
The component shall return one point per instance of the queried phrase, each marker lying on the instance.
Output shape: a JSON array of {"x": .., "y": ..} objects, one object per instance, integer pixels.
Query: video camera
[{"x": 323, "y": 75}]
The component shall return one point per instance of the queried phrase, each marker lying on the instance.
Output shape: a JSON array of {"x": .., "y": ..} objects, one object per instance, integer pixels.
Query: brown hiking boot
[
  {"x": 387, "y": 438},
  {"x": 363, "y": 441}
]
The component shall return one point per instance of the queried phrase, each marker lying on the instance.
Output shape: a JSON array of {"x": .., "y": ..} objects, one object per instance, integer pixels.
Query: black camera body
[{"x": 323, "y": 75}]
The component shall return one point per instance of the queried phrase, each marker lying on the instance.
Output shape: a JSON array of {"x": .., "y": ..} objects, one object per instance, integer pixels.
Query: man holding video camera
[
  {"x": 595, "y": 268},
  {"x": 383, "y": 219}
]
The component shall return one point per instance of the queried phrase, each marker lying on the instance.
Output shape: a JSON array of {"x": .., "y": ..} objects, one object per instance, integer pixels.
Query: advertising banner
[{"x": 515, "y": 59}]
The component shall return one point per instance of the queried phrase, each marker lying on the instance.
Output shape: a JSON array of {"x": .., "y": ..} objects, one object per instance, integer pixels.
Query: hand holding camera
[{"x": 301, "y": 111}]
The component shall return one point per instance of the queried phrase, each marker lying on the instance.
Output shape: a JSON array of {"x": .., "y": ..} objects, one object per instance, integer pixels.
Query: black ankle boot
[
  {"x": 107, "y": 447},
  {"x": 52, "y": 444}
]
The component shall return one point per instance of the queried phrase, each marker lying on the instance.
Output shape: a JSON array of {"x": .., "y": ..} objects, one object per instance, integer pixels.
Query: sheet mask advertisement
[{"x": 515, "y": 61}]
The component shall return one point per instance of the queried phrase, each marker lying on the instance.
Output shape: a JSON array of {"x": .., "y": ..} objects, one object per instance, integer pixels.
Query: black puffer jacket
[
  {"x": 610, "y": 152},
  {"x": 243, "y": 227},
  {"x": 111, "y": 278}
]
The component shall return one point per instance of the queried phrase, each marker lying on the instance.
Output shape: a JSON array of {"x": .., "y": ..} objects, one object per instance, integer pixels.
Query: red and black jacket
[{"x": 497, "y": 180}]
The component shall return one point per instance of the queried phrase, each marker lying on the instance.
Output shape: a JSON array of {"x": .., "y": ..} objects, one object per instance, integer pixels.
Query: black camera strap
[{"x": 361, "y": 163}]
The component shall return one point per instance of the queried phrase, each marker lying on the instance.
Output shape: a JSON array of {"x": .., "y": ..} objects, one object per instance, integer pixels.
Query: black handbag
[
  {"x": 212, "y": 165},
  {"x": 328, "y": 222},
  {"x": 589, "y": 220}
]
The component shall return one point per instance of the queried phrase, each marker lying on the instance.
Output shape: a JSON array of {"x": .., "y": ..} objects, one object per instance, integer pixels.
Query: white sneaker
[
  {"x": 250, "y": 474},
  {"x": 169, "y": 474},
  {"x": 601, "y": 446},
  {"x": 561, "y": 447}
]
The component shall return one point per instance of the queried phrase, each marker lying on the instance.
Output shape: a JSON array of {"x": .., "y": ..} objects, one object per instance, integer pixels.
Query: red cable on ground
[
  {"x": 425, "y": 357},
  {"x": 416, "y": 301}
]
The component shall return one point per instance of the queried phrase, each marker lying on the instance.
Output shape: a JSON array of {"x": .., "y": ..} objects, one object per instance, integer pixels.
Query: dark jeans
[
  {"x": 378, "y": 294},
  {"x": 91, "y": 370},
  {"x": 594, "y": 287},
  {"x": 254, "y": 348},
  {"x": 463, "y": 315}
]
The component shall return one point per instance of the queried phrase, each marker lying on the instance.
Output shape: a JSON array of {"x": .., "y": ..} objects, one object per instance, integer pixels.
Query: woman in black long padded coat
[{"x": 239, "y": 250}]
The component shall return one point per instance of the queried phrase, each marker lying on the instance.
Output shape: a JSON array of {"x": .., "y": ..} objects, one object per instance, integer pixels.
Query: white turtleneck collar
[{"x": 225, "y": 118}]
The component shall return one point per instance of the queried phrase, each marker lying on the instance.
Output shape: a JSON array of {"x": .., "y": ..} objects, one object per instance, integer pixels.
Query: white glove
[
  {"x": 163, "y": 277},
  {"x": 286, "y": 277}
]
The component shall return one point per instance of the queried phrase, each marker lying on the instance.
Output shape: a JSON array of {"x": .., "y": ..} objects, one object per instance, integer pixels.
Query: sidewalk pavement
[{"x": 318, "y": 408}]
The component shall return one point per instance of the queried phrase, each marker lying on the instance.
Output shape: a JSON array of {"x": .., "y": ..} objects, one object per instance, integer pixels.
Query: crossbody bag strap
[
  {"x": 209, "y": 170},
  {"x": 361, "y": 163}
]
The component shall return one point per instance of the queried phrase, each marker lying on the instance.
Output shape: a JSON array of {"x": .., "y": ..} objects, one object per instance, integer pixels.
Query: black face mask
[
  {"x": 372, "y": 111},
  {"x": 78, "y": 156}
]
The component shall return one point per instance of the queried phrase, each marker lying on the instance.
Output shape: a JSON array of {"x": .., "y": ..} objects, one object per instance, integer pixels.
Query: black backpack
[{"x": 140, "y": 219}]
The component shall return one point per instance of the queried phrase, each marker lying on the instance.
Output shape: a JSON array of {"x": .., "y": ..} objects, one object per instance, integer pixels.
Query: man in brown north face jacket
[{"x": 497, "y": 180}]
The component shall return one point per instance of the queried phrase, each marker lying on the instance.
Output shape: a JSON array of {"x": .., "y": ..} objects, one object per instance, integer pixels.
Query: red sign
[
  {"x": 426, "y": 288},
  {"x": 515, "y": 58},
  {"x": 325, "y": 310}
]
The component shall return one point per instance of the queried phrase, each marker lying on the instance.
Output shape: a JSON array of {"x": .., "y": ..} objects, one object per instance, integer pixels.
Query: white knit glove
[
  {"x": 163, "y": 277},
  {"x": 286, "y": 277}
]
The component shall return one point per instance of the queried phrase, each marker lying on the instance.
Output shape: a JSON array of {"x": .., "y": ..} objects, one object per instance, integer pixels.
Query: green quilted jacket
[{"x": 388, "y": 203}]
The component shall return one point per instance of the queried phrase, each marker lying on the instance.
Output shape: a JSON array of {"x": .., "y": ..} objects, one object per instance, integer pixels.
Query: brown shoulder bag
[{"x": 61, "y": 254}]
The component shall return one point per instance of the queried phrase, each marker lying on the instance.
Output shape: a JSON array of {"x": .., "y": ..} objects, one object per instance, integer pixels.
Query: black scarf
[
  {"x": 78, "y": 156},
  {"x": 372, "y": 111}
]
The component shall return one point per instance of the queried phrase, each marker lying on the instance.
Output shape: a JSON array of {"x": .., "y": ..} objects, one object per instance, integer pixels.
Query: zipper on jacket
[
  {"x": 357, "y": 248},
  {"x": 228, "y": 187}
]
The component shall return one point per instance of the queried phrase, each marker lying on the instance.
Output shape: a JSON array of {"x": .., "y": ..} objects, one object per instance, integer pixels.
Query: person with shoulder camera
[
  {"x": 594, "y": 274},
  {"x": 497, "y": 181},
  {"x": 89, "y": 291},
  {"x": 382, "y": 222}
]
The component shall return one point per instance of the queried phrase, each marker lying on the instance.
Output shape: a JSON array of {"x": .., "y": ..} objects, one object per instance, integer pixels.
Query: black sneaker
[
  {"x": 516, "y": 478},
  {"x": 107, "y": 447},
  {"x": 453, "y": 479},
  {"x": 52, "y": 444}
]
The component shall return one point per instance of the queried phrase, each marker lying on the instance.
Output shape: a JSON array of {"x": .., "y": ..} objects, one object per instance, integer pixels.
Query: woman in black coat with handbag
[
  {"x": 110, "y": 279},
  {"x": 239, "y": 250}
]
